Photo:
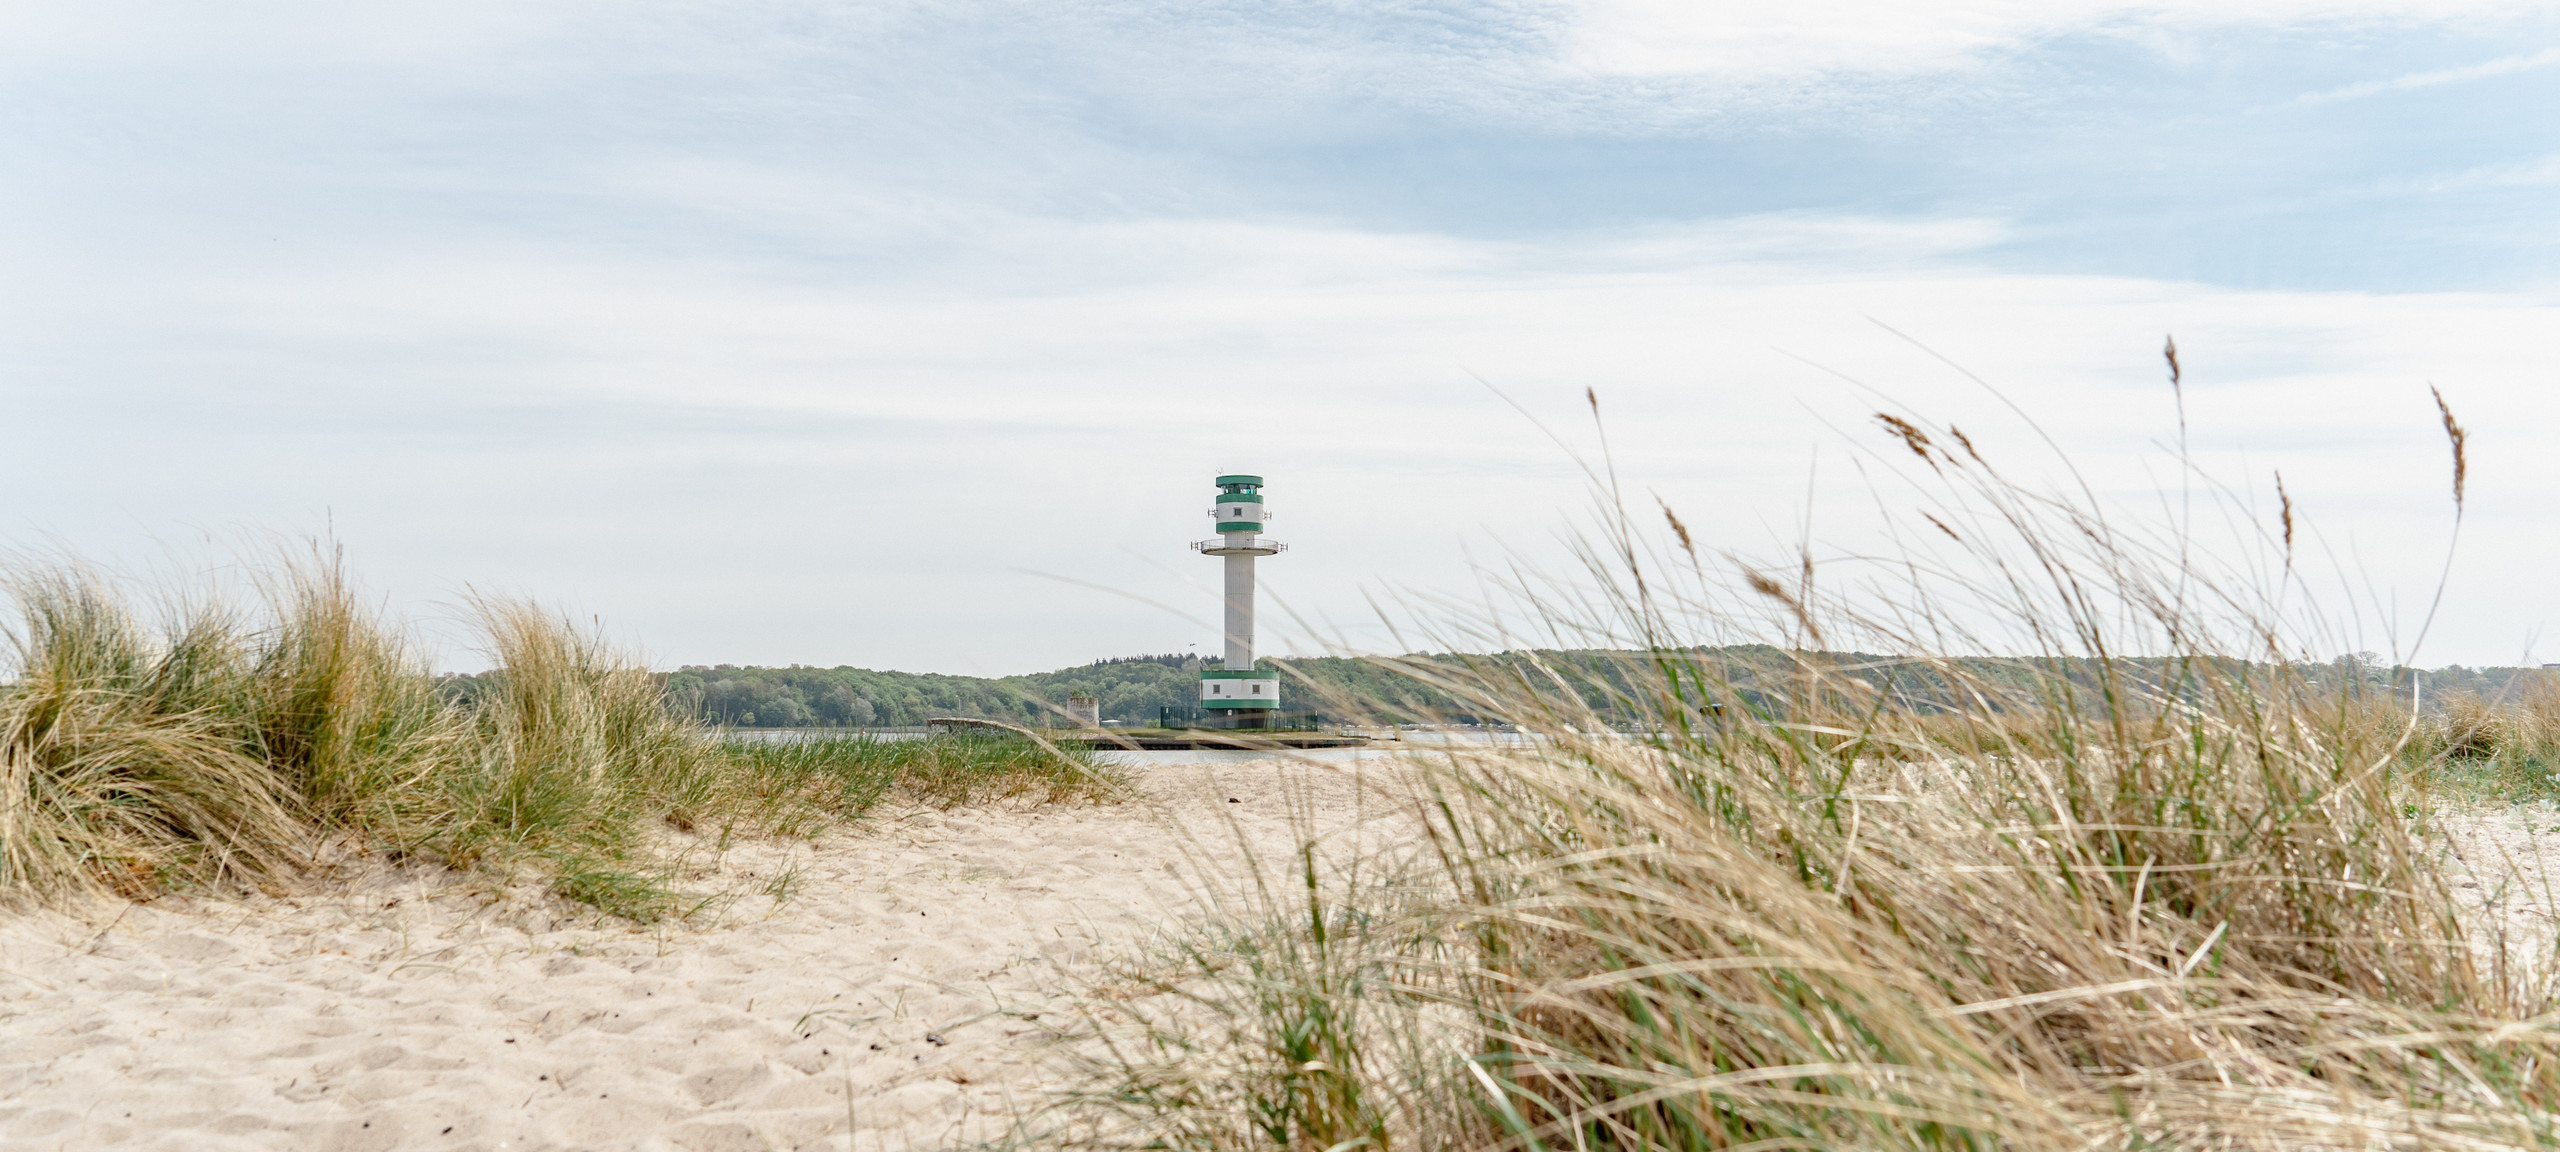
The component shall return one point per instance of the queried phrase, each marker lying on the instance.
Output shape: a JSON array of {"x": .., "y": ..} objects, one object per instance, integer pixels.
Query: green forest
[{"x": 1133, "y": 688}]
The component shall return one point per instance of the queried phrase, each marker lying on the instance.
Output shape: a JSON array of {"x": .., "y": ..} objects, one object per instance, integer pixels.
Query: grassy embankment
[
  {"x": 230, "y": 747},
  {"x": 2186, "y": 902}
]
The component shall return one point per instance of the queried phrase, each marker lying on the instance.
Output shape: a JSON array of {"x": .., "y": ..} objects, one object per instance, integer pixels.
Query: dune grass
[
  {"x": 237, "y": 747},
  {"x": 850, "y": 774},
  {"x": 2093, "y": 903},
  {"x": 128, "y": 755},
  {"x": 2504, "y": 750}
]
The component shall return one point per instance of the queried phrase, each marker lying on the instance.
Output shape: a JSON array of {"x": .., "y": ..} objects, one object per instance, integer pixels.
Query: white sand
[
  {"x": 418, "y": 1009},
  {"x": 2506, "y": 873},
  {"x": 421, "y": 1009}
]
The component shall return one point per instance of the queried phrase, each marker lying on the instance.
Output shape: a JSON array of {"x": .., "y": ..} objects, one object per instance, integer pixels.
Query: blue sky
[{"x": 829, "y": 333}]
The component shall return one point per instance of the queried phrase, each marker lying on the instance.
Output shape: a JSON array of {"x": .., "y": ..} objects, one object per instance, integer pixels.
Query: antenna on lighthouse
[{"x": 1239, "y": 695}]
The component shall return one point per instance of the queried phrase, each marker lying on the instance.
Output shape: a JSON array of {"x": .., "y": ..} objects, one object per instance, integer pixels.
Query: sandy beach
[
  {"x": 892, "y": 999},
  {"x": 889, "y": 1001}
]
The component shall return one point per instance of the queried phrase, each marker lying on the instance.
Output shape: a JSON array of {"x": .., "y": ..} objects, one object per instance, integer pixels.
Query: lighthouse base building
[{"x": 1248, "y": 699}]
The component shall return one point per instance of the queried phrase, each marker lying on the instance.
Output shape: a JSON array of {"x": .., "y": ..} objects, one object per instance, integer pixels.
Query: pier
[{"x": 1153, "y": 739}]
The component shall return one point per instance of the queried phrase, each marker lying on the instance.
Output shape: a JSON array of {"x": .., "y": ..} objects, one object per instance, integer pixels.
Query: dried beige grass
[{"x": 2076, "y": 900}]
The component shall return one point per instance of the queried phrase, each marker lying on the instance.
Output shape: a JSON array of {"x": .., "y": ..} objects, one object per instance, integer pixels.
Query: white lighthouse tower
[{"x": 1238, "y": 695}]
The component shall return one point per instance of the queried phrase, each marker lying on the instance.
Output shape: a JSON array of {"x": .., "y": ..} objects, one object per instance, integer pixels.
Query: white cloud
[
  {"x": 1632, "y": 64},
  {"x": 302, "y": 33},
  {"x": 790, "y": 333},
  {"x": 742, "y": 461},
  {"x": 1795, "y": 37},
  {"x": 2502, "y": 66}
]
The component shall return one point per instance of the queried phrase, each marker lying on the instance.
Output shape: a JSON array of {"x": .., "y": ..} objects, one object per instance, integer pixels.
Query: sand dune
[
  {"x": 888, "y": 1003},
  {"x": 892, "y": 1001}
]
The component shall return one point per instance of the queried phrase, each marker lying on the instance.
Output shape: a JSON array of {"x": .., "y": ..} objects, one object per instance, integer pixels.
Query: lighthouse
[{"x": 1239, "y": 696}]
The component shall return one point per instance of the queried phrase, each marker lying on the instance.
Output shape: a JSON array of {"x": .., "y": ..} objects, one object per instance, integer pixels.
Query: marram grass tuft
[
  {"x": 1737, "y": 891},
  {"x": 232, "y": 748},
  {"x": 127, "y": 757}
]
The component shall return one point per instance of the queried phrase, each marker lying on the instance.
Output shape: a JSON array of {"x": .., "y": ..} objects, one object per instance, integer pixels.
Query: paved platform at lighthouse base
[{"x": 1162, "y": 739}]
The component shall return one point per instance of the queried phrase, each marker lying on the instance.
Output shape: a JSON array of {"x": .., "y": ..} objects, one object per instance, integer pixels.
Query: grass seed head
[{"x": 2458, "y": 438}]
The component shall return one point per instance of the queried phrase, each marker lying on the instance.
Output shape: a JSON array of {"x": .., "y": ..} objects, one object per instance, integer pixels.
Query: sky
[{"x": 911, "y": 335}]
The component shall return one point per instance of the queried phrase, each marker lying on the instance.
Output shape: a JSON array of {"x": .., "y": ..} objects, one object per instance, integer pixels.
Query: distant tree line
[{"x": 1132, "y": 689}]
